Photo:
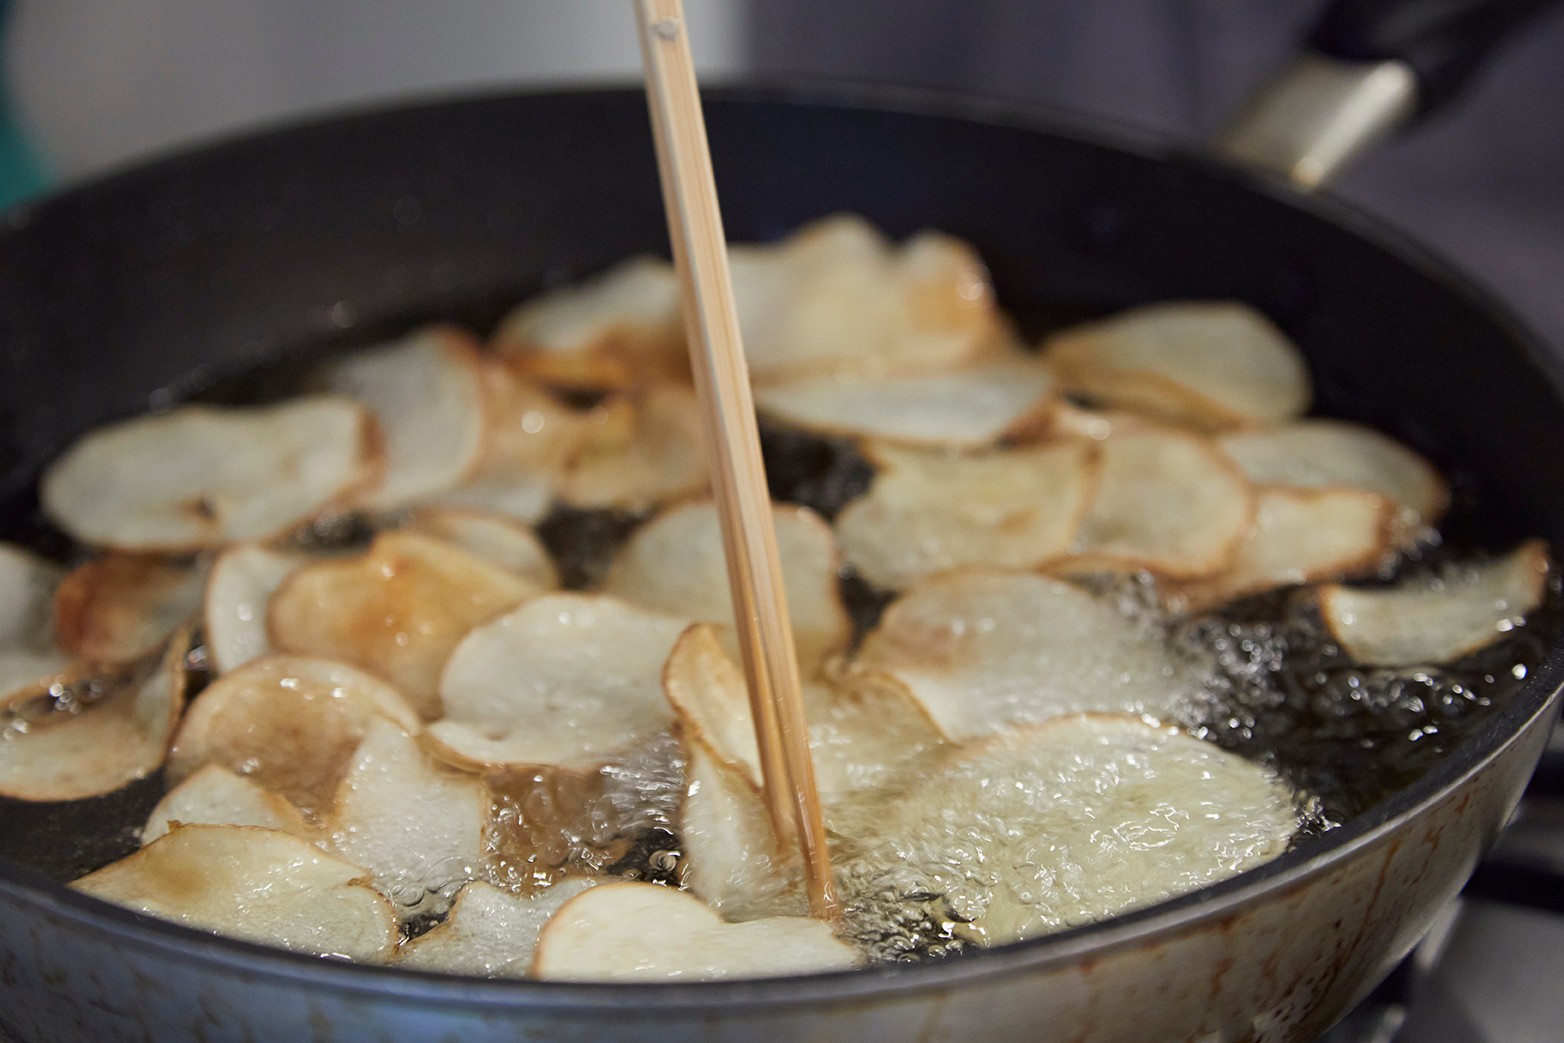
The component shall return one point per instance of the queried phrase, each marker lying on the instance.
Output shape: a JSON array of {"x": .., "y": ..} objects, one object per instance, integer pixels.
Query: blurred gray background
[{"x": 96, "y": 83}]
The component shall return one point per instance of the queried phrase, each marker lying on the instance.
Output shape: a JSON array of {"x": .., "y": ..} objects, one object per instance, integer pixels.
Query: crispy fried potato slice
[
  {"x": 1050, "y": 826},
  {"x": 205, "y": 476},
  {"x": 562, "y": 680},
  {"x": 256, "y": 884},
  {"x": 653, "y": 456},
  {"x": 838, "y": 298},
  {"x": 290, "y": 724},
  {"x": 30, "y": 659},
  {"x": 396, "y": 610},
  {"x": 1438, "y": 618},
  {"x": 497, "y": 539},
  {"x": 238, "y": 591},
  {"x": 416, "y": 826},
  {"x": 606, "y": 331},
  {"x": 643, "y": 932},
  {"x": 117, "y": 608},
  {"x": 1321, "y": 453},
  {"x": 733, "y": 860},
  {"x": 489, "y": 932},
  {"x": 982, "y": 650},
  {"x": 968, "y": 408},
  {"x": 105, "y": 733},
  {"x": 1206, "y": 364},
  {"x": 675, "y": 563},
  {"x": 1298, "y": 536},
  {"x": 426, "y": 393},
  {"x": 928, "y": 512},
  {"x": 215, "y": 796},
  {"x": 1167, "y": 503}
]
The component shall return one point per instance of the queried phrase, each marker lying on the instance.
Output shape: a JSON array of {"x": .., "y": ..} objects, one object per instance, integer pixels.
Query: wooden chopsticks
[{"x": 700, "y": 254}]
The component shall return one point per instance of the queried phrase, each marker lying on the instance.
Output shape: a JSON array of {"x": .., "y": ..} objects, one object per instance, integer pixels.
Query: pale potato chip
[
  {"x": 1167, "y": 503},
  {"x": 562, "y": 680},
  {"x": 496, "y": 539},
  {"x": 1323, "y": 453},
  {"x": 117, "y": 608},
  {"x": 710, "y": 697},
  {"x": 968, "y": 408},
  {"x": 675, "y": 563},
  {"x": 416, "y": 826},
  {"x": 521, "y": 495},
  {"x": 30, "y": 659},
  {"x": 1298, "y": 536},
  {"x": 238, "y": 591},
  {"x": 205, "y": 476},
  {"x": 425, "y": 391},
  {"x": 396, "y": 610},
  {"x": 655, "y": 458},
  {"x": 928, "y": 512},
  {"x": 1051, "y": 826},
  {"x": 643, "y": 932},
  {"x": 732, "y": 858},
  {"x": 256, "y": 884},
  {"x": 837, "y": 298},
  {"x": 1206, "y": 364},
  {"x": 608, "y": 330},
  {"x": 1068, "y": 420},
  {"x": 100, "y": 735},
  {"x": 1439, "y": 618},
  {"x": 489, "y": 933},
  {"x": 215, "y": 796},
  {"x": 983, "y": 650},
  {"x": 287, "y": 723}
]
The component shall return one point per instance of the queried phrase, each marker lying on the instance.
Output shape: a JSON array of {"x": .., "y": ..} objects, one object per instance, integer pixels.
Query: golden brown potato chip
[
  {"x": 117, "y": 608},
  {"x": 396, "y": 610},
  {"x": 642, "y": 932},
  {"x": 30, "y": 658},
  {"x": 928, "y": 512},
  {"x": 656, "y": 457},
  {"x": 1206, "y": 364},
  {"x": 204, "y": 476},
  {"x": 256, "y": 884},
  {"x": 288, "y": 723},
  {"x": 1438, "y": 618}
]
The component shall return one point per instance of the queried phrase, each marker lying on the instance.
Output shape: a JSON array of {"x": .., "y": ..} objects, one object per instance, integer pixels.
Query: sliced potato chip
[
  {"x": 426, "y": 392},
  {"x": 101, "y": 735},
  {"x": 675, "y": 563},
  {"x": 562, "y": 680},
  {"x": 643, "y": 932},
  {"x": 238, "y": 591},
  {"x": 1439, "y": 618},
  {"x": 256, "y": 884},
  {"x": 837, "y": 298},
  {"x": 968, "y": 408},
  {"x": 928, "y": 512},
  {"x": 494, "y": 538},
  {"x": 608, "y": 330},
  {"x": 215, "y": 796},
  {"x": 1316, "y": 453},
  {"x": 656, "y": 457},
  {"x": 203, "y": 476},
  {"x": 396, "y": 610},
  {"x": 30, "y": 659},
  {"x": 709, "y": 696},
  {"x": 1168, "y": 503},
  {"x": 1050, "y": 826},
  {"x": 489, "y": 932},
  {"x": 417, "y": 827},
  {"x": 530, "y": 429},
  {"x": 289, "y": 724},
  {"x": 117, "y": 608},
  {"x": 982, "y": 650},
  {"x": 1068, "y": 420},
  {"x": 733, "y": 860},
  {"x": 1298, "y": 536},
  {"x": 1206, "y": 364},
  {"x": 521, "y": 495}
]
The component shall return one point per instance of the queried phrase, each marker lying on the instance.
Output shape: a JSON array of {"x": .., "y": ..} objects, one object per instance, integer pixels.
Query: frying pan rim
[{"x": 1195, "y": 911}]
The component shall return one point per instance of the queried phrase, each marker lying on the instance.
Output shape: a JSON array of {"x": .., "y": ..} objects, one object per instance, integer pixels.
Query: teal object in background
[{"x": 22, "y": 173}]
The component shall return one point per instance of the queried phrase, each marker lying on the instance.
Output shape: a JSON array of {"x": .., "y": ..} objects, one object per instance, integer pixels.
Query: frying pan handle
[{"x": 1372, "y": 67}]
